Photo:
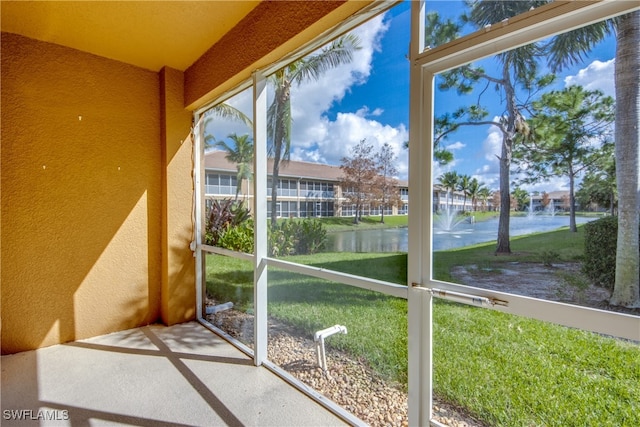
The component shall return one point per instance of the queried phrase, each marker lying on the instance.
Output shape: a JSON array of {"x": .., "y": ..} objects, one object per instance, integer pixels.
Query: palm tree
[
  {"x": 224, "y": 112},
  {"x": 484, "y": 194},
  {"x": 449, "y": 181},
  {"x": 309, "y": 68},
  {"x": 464, "y": 181},
  {"x": 241, "y": 153},
  {"x": 626, "y": 291},
  {"x": 474, "y": 190}
]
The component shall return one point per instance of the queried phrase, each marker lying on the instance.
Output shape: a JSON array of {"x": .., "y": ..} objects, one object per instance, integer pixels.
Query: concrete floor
[{"x": 151, "y": 376}]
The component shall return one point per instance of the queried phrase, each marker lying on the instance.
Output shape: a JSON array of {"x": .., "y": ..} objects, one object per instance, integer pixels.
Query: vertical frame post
[
  {"x": 419, "y": 258},
  {"x": 198, "y": 214},
  {"x": 260, "y": 216}
]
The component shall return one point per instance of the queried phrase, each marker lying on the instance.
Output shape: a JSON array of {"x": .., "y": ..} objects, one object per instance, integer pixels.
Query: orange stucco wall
[
  {"x": 81, "y": 195},
  {"x": 96, "y": 177},
  {"x": 178, "y": 263}
]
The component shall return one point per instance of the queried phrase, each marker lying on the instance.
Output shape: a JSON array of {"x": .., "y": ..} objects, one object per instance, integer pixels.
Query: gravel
[{"x": 349, "y": 382}]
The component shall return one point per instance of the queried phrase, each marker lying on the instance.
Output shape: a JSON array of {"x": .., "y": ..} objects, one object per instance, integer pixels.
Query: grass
[
  {"x": 333, "y": 224},
  {"x": 336, "y": 224},
  {"x": 563, "y": 244},
  {"x": 505, "y": 369}
]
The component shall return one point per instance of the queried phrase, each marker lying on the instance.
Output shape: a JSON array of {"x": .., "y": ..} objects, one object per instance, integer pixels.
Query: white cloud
[
  {"x": 340, "y": 135},
  {"x": 309, "y": 101},
  {"x": 318, "y": 138},
  {"x": 456, "y": 146},
  {"x": 492, "y": 144},
  {"x": 552, "y": 184},
  {"x": 597, "y": 75}
]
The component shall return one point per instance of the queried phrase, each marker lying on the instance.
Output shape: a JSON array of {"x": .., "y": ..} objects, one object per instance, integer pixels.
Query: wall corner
[{"x": 178, "y": 299}]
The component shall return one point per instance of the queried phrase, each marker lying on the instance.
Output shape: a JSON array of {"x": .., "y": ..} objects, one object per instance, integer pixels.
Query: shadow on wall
[{"x": 81, "y": 195}]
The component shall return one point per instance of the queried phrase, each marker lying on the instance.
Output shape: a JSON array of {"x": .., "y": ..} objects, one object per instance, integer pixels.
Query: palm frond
[
  {"x": 570, "y": 48},
  {"x": 228, "y": 112},
  {"x": 339, "y": 52}
]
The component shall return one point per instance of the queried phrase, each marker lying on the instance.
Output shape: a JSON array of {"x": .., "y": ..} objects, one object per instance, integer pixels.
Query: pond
[{"x": 462, "y": 234}]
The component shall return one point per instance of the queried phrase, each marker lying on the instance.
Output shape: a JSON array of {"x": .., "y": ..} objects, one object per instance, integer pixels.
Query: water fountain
[
  {"x": 446, "y": 220},
  {"x": 550, "y": 209},
  {"x": 530, "y": 211}
]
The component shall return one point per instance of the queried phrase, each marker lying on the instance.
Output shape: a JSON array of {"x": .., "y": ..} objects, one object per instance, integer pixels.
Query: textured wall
[
  {"x": 96, "y": 176},
  {"x": 178, "y": 263},
  {"x": 81, "y": 195}
]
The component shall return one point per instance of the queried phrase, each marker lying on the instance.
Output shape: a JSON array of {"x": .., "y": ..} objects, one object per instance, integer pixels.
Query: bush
[
  {"x": 229, "y": 226},
  {"x": 311, "y": 237},
  {"x": 221, "y": 216},
  {"x": 295, "y": 237},
  {"x": 238, "y": 238},
  {"x": 600, "y": 240},
  {"x": 281, "y": 241}
]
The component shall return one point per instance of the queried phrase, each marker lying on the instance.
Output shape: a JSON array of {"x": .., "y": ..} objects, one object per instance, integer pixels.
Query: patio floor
[{"x": 150, "y": 376}]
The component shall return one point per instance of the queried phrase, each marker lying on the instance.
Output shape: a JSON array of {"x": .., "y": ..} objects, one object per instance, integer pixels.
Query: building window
[{"x": 221, "y": 184}]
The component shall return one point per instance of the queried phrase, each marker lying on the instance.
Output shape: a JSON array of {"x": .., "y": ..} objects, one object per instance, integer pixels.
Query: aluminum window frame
[
  {"x": 540, "y": 23},
  {"x": 537, "y": 24}
]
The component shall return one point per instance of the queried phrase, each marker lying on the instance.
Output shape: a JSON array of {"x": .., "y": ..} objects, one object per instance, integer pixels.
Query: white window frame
[{"x": 537, "y": 24}]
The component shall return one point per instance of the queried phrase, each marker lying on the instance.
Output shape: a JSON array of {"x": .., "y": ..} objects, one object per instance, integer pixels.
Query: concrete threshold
[{"x": 182, "y": 375}]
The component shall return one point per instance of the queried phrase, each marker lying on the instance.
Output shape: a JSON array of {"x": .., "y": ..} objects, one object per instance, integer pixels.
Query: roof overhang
[{"x": 147, "y": 34}]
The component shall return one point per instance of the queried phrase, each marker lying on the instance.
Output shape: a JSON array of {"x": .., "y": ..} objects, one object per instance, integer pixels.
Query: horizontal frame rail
[
  {"x": 545, "y": 21},
  {"x": 604, "y": 322},
  {"x": 226, "y": 252},
  {"x": 381, "y": 286}
]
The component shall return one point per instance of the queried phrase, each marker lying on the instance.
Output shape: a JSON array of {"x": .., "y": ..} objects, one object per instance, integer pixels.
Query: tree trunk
[
  {"x": 504, "y": 245},
  {"x": 612, "y": 204},
  {"x": 572, "y": 204},
  {"x": 626, "y": 290},
  {"x": 283, "y": 94}
]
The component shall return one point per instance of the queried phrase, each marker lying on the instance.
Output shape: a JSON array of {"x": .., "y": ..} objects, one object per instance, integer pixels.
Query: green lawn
[
  {"x": 505, "y": 369},
  {"x": 337, "y": 223},
  {"x": 333, "y": 224},
  {"x": 561, "y": 245}
]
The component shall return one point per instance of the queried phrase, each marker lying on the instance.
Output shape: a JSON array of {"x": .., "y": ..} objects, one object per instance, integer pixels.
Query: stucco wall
[
  {"x": 178, "y": 302},
  {"x": 96, "y": 185},
  {"x": 81, "y": 195}
]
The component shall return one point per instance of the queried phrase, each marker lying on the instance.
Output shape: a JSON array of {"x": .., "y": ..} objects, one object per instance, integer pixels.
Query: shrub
[
  {"x": 600, "y": 240},
  {"x": 281, "y": 241},
  {"x": 238, "y": 238},
  {"x": 221, "y": 216},
  {"x": 311, "y": 236},
  {"x": 229, "y": 226},
  {"x": 296, "y": 237}
]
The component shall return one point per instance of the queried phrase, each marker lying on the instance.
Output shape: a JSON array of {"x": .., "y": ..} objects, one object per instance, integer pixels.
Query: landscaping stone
[{"x": 348, "y": 382}]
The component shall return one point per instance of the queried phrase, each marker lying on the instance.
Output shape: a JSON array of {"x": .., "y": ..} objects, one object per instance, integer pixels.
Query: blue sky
[{"x": 369, "y": 98}]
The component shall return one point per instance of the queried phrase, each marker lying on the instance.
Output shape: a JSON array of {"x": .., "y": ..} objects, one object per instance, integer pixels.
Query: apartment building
[{"x": 305, "y": 189}]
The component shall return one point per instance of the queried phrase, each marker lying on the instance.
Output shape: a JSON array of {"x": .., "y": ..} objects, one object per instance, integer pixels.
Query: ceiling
[{"x": 147, "y": 34}]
